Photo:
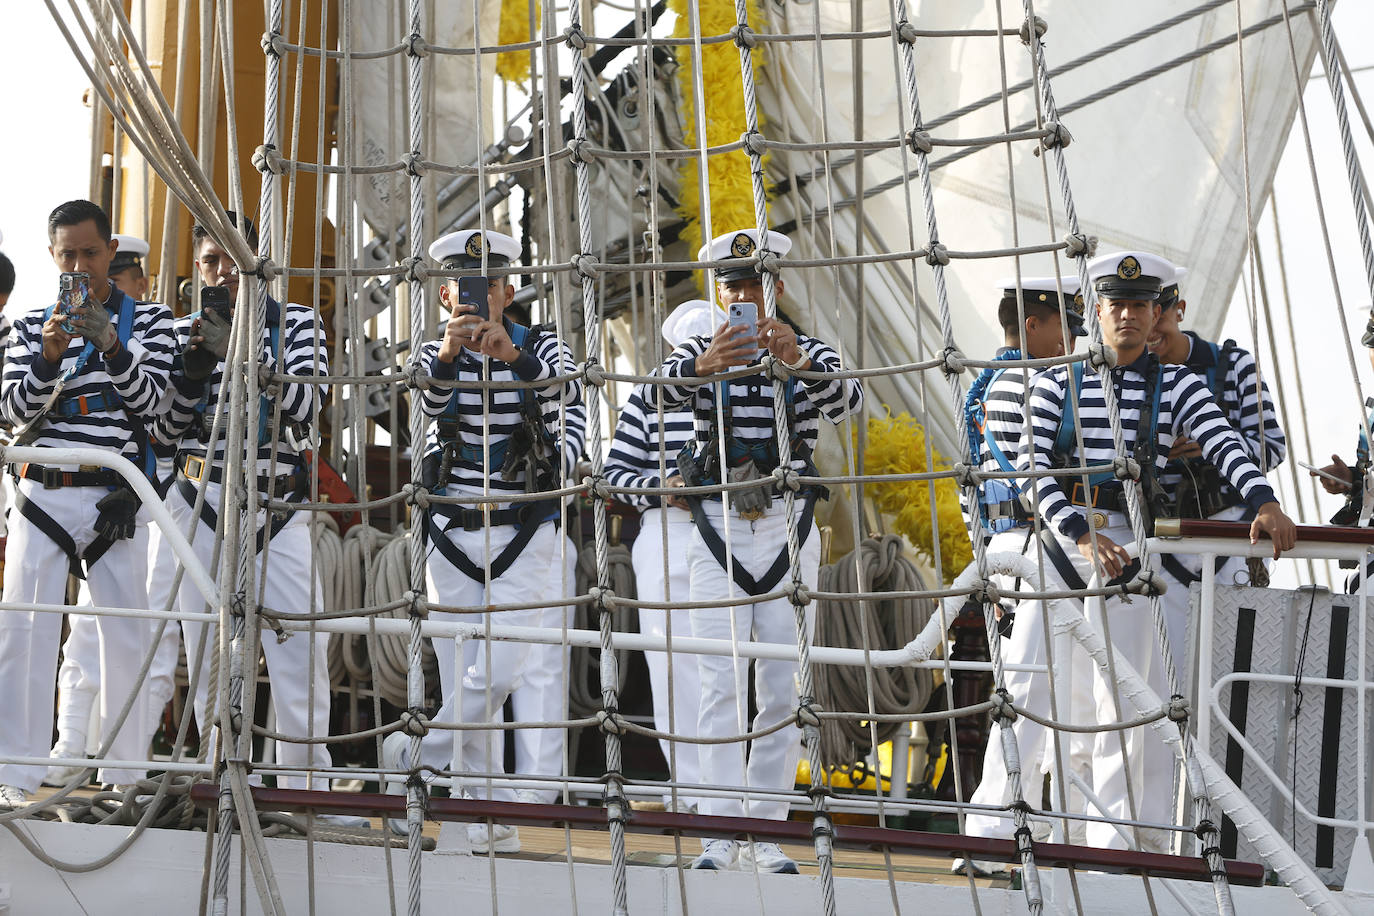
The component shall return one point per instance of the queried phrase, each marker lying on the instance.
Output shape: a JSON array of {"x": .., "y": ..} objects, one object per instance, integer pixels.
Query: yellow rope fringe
[
  {"x": 732, "y": 190},
  {"x": 897, "y": 445},
  {"x": 514, "y": 66}
]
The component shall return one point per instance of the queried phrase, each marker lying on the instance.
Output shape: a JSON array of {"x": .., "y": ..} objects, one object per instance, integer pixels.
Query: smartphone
[
  {"x": 73, "y": 287},
  {"x": 747, "y": 315},
  {"x": 1320, "y": 473},
  {"x": 473, "y": 291},
  {"x": 216, "y": 299}
]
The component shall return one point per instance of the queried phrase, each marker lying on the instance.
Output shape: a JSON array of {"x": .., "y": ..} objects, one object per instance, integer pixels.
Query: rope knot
[
  {"x": 744, "y": 37},
  {"x": 238, "y": 605},
  {"x": 937, "y": 255},
  {"x": 984, "y": 592},
  {"x": 603, "y": 598},
  {"x": 1204, "y": 829},
  {"x": 578, "y": 150},
  {"x": 754, "y": 143},
  {"x": 414, "y": 164},
  {"x": 416, "y": 46},
  {"x": 919, "y": 140},
  {"x": 415, "y": 377},
  {"x": 273, "y": 44},
  {"x": 417, "y": 605},
  {"x": 797, "y": 593},
  {"x": 1147, "y": 582},
  {"x": 787, "y": 478},
  {"x": 586, "y": 265},
  {"x": 1036, "y": 24},
  {"x": 1178, "y": 709},
  {"x": 809, "y": 713},
  {"x": 593, "y": 374},
  {"x": 610, "y": 722},
  {"x": 575, "y": 38},
  {"x": 906, "y": 34},
  {"x": 769, "y": 262},
  {"x": 1056, "y": 134},
  {"x": 1078, "y": 245},
  {"x": 265, "y": 269},
  {"x": 1125, "y": 468},
  {"x": 1003, "y": 709},
  {"x": 966, "y": 475},
  {"x": 595, "y": 485},
  {"x": 1101, "y": 356},
  {"x": 267, "y": 159},
  {"x": 236, "y": 721},
  {"x": 414, "y": 269},
  {"x": 414, "y": 723},
  {"x": 953, "y": 361},
  {"x": 415, "y": 496}
]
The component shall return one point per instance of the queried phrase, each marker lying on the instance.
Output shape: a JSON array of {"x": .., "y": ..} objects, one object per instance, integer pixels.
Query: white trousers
[
  {"x": 1031, "y": 691},
  {"x": 1126, "y": 623},
  {"x": 491, "y": 668},
  {"x": 78, "y": 678},
  {"x": 296, "y": 667},
  {"x": 772, "y": 759},
  {"x": 36, "y": 572},
  {"x": 542, "y": 694},
  {"x": 675, "y": 711}
]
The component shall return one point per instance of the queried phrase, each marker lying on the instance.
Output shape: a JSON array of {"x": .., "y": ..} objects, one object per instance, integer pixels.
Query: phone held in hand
[
  {"x": 216, "y": 299},
  {"x": 73, "y": 287},
  {"x": 745, "y": 314},
  {"x": 473, "y": 291}
]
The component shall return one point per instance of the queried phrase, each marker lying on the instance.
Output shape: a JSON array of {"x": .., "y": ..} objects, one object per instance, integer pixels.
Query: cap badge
[
  {"x": 1129, "y": 268},
  {"x": 1077, "y": 305},
  {"x": 741, "y": 246},
  {"x": 476, "y": 244}
]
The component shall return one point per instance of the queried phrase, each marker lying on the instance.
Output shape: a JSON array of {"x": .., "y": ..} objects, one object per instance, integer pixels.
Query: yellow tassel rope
[
  {"x": 732, "y": 190},
  {"x": 897, "y": 445},
  {"x": 514, "y": 66}
]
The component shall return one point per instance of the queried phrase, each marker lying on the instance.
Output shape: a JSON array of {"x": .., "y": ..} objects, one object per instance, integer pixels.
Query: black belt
[
  {"x": 528, "y": 517},
  {"x": 1007, "y": 510},
  {"x": 53, "y": 478},
  {"x": 1110, "y": 496},
  {"x": 196, "y": 468}
]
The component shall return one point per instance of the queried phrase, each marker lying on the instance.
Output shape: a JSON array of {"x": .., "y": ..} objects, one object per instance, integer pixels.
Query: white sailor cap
[
  {"x": 741, "y": 244},
  {"x": 1045, "y": 291},
  {"x": 693, "y": 318},
  {"x": 1130, "y": 275},
  {"x": 130, "y": 253},
  {"x": 1168, "y": 293},
  {"x": 466, "y": 247}
]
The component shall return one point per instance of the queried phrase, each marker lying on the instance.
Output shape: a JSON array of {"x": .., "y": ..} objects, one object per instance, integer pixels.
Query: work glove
[
  {"x": 92, "y": 321},
  {"x": 198, "y": 360},
  {"x": 118, "y": 511}
]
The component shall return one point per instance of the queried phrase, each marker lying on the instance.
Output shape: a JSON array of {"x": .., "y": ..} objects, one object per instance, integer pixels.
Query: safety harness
[
  {"x": 1201, "y": 491},
  {"x": 530, "y": 447},
  {"x": 52, "y": 478},
  {"x": 702, "y": 468},
  {"x": 997, "y": 503}
]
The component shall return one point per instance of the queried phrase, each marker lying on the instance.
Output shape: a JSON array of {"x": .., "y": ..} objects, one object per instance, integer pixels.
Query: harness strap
[
  {"x": 61, "y": 537},
  {"x": 536, "y": 515},
  {"x": 743, "y": 579},
  {"x": 211, "y": 518}
]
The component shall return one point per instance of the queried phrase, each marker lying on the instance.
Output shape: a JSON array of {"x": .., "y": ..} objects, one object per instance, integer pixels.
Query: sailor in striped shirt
[
  {"x": 644, "y": 454},
  {"x": 1034, "y": 320},
  {"x": 496, "y": 443},
  {"x": 1083, "y": 547},
  {"x": 292, "y": 344},
  {"x": 756, "y": 549},
  {"x": 113, "y": 374}
]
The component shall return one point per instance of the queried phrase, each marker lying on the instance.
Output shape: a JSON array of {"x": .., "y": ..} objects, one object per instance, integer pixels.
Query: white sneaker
[
  {"x": 351, "y": 821},
  {"x": 12, "y": 797},
  {"x": 717, "y": 855},
  {"x": 500, "y": 838},
  {"x": 766, "y": 857},
  {"x": 395, "y": 756},
  {"x": 530, "y": 797},
  {"x": 59, "y": 774},
  {"x": 681, "y": 806},
  {"x": 981, "y": 868}
]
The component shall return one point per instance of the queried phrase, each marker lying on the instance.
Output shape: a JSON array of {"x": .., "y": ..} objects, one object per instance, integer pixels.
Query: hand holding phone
[
  {"x": 745, "y": 315},
  {"x": 217, "y": 299},
  {"x": 73, "y": 288},
  {"x": 473, "y": 291}
]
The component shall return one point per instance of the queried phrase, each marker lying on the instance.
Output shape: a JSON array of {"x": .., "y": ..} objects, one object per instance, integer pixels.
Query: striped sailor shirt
[
  {"x": 303, "y": 353},
  {"x": 750, "y": 397},
  {"x": 643, "y": 451},
  {"x": 1186, "y": 409},
  {"x": 137, "y": 374},
  {"x": 559, "y": 402},
  {"x": 1244, "y": 401},
  {"x": 1004, "y": 418}
]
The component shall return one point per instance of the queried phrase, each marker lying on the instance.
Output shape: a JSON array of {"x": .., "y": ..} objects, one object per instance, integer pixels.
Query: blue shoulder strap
[
  {"x": 124, "y": 328},
  {"x": 519, "y": 336},
  {"x": 975, "y": 409},
  {"x": 1064, "y": 437}
]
